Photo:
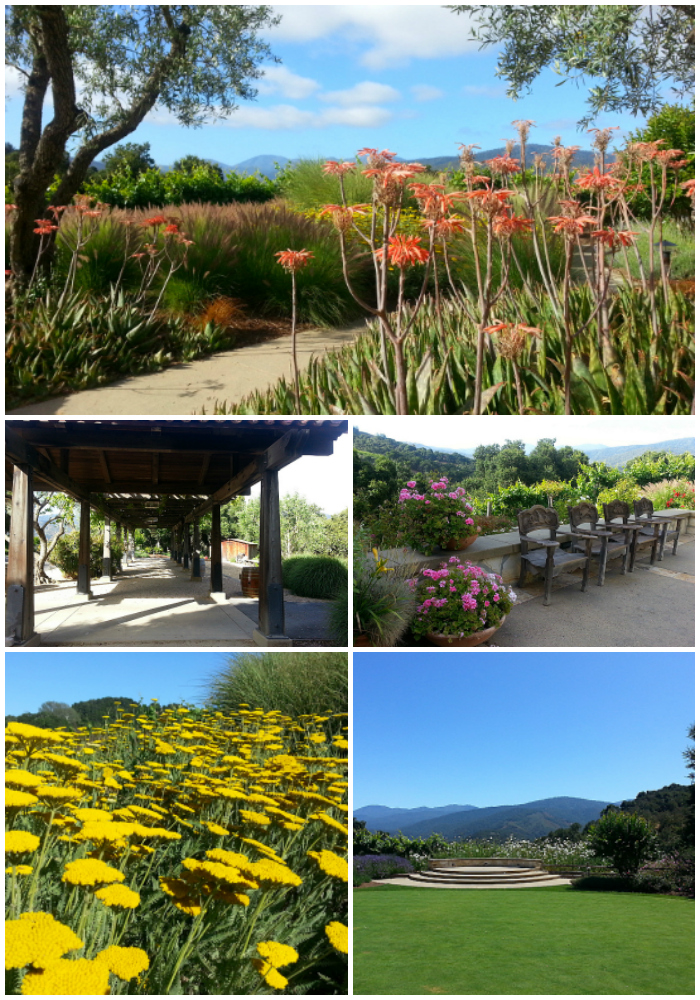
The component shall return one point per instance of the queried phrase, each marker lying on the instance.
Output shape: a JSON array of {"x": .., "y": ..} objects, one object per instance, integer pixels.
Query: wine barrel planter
[{"x": 250, "y": 581}]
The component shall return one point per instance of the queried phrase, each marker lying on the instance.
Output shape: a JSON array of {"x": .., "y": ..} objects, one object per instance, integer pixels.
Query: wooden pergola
[{"x": 154, "y": 474}]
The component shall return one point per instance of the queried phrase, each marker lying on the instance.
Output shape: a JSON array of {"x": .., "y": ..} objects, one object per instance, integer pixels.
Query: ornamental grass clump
[
  {"x": 435, "y": 518},
  {"x": 459, "y": 599},
  {"x": 194, "y": 851}
]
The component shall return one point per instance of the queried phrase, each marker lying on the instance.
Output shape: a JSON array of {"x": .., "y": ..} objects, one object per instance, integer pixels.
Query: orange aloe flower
[
  {"x": 504, "y": 165},
  {"x": 404, "y": 251},
  {"x": 294, "y": 260},
  {"x": 445, "y": 226},
  {"x": 338, "y": 169},
  {"x": 507, "y": 224},
  {"x": 597, "y": 181},
  {"x": 614, "y": 238},
  {"x": 341, "y": 215},
  {"x": 45, "y": 227}
]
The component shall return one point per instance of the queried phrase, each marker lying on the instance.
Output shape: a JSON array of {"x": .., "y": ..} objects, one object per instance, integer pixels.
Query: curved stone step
[{"x": 453, "y": 877}]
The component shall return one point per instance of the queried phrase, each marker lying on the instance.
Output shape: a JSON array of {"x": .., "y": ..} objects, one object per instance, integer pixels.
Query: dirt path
[{"x": 197, "y": 386}]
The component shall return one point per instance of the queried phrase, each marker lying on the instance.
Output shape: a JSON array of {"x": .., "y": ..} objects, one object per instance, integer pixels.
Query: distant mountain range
[
  {"x": 265, "y": 164},
  {"x": 527, "y": 821}
]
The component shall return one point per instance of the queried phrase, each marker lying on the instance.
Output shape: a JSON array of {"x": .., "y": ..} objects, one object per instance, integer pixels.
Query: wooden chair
[
  {"x": 644, "y": 511},
  {"x": 644, "y": 536},
  {"x": 549, "y": 559},
  {"x": 607, "y": 546}
]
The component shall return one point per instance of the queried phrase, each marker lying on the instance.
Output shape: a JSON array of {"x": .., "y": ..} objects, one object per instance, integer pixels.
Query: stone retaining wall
[{"x": 497, "y": 553}]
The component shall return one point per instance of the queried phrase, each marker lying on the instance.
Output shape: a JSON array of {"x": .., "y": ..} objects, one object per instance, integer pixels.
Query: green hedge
[{"x": 315, "y": 576}]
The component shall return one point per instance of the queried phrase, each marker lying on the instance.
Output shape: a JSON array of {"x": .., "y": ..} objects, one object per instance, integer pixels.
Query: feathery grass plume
[{"x": 298, "y": 683}]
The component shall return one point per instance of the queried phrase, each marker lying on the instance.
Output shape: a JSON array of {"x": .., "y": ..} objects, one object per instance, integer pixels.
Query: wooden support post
[
  {"x": 178, "y": 549},
  {"x": 107, "y": 551},
  {"x": 270, "y": 631},
  {"x": 19, "y": 615},
  {"x": 186, "y": 547},
  {"x": 196, "y": 553},
  {"x": 217, "y": 576},
  {"x": 173, "y": 546},
  {"x": 84, "y": 550}
]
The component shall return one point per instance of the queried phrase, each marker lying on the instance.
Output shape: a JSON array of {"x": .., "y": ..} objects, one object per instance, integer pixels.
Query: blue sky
[
  {"x": 397, "y": 76},
  {"x": 33, "y": 678},
  {"x": 499, "y": 728}
]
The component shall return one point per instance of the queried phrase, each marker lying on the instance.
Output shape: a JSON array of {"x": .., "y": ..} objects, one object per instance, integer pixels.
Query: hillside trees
[
  {"x": 633, "y": 49},
  {"x": 192, "y": 61}
]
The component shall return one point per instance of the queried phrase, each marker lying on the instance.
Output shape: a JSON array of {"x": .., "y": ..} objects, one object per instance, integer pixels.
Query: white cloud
[
  {"x": 484, "y": 91},
  {"x": 280, "y": 80},
  {"x": 362, "y": 93},
  {"x": 395, "y": 33},
  {"x": 14, "y": 80},
  {"x": 286, "y": 118},
  {"x": 424, "y": 92}
]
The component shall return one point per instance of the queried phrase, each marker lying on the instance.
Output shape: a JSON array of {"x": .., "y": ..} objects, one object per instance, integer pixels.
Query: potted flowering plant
[
  {"x": 439, "y": 517},
  {"x": 460, "y": 604}
]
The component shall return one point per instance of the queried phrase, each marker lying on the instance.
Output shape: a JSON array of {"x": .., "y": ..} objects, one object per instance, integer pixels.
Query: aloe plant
[{"x": 653, "y": 375}]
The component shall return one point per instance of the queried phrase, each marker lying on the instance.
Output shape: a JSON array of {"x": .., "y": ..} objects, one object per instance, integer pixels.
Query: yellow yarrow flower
[
  {"x": 119, "y": 896},
  {"x": 126, "y": 963},
  {"x": 32, "y": 734},
  {"x": 20, "y": 842},
  {"x": 37, "y": 939},
  {"x": 19, "y": 778},
  {"x": 72, "y": 977},
  {"x": 20, "y": 869},
  {"x": 254, "y": 818},
  {"x": 277, "y": 954},
  {"x": 91, "y": 871},
  {"x": 337, "y": 934},
  {"x": 18, "y": 800},
  {"x": 330, "y": 864}
]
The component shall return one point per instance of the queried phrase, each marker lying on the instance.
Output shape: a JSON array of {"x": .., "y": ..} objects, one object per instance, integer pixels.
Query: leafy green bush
[
  {"x": 625, "y": 839},
  {"x": 624, "y": 489},
  {"x": 315, "y": 576},
  {"x": 653, "y": 467},
  {"x": 151, "y": 188},
  {"x": 65, "y": 554},
  {"x": 299, "y": 683}
]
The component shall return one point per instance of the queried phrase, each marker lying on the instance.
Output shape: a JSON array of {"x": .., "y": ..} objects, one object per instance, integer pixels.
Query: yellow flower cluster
[{"x": 261, "y": 800}]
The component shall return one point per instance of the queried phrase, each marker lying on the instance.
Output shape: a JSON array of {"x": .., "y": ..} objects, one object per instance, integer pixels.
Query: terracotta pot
[
  {"x": 475, "y": 639},
  {"x": 457, "y": 544},
  {"x": 250, "y": 581},
  {"x": 361, "y": 639}
]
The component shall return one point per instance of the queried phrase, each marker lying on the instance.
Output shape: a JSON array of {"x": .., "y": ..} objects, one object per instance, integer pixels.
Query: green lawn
[{"x": 512, "y": 941}]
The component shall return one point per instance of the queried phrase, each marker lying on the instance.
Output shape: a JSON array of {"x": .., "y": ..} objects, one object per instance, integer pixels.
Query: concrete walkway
[
  {"x": 196, "y": 387},
  {"x": 152, "y": 603},
  {"x": 654, "y": 606}
]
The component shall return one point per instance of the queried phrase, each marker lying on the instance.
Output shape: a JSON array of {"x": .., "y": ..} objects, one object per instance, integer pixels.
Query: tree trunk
[
  {"x": 45, "y": 550},
  {"x": 41, "y": 153}
]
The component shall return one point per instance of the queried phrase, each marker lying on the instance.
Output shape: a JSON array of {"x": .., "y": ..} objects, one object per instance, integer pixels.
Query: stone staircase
[{"x": 491, "y": 875}]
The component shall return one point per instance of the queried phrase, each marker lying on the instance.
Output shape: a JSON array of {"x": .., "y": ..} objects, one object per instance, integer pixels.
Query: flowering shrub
[
  {"x": 434, "y": 517},
  {"x": 366, "y": 867},
  {"x": 672, "y": 875},
  {"x": 459, "y": 599},
  {"x": 189, "y": 851},
  {"x": 671, "y": 493}
]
